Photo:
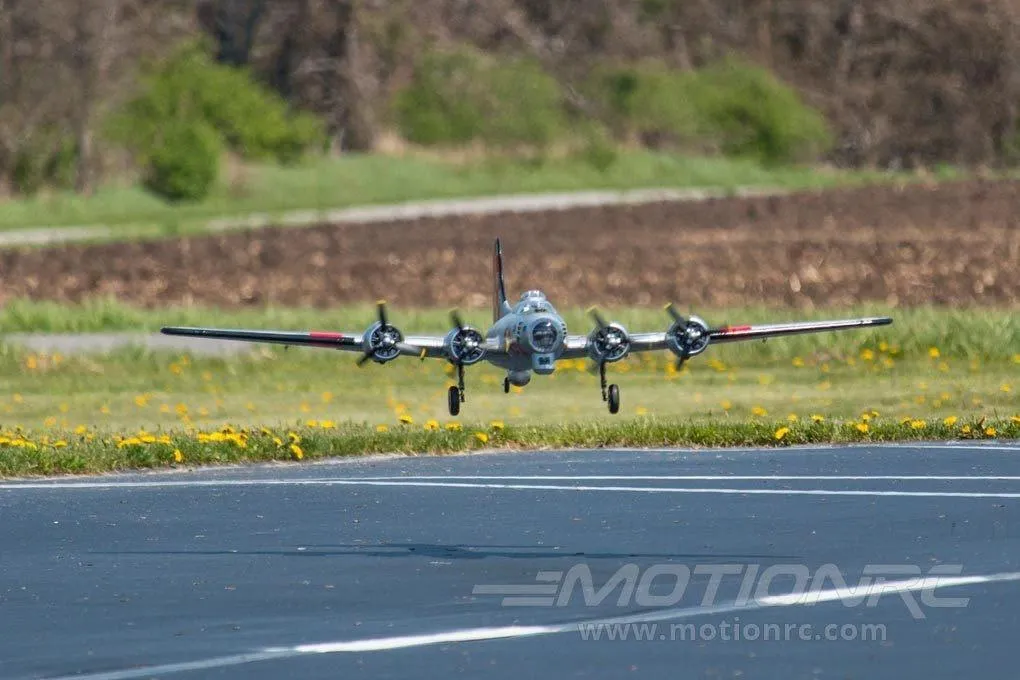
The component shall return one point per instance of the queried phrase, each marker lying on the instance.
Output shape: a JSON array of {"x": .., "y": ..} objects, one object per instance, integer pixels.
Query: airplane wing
[
  {"x": 381, "y": 341},
  {"x": 412, "y": 345},
  {"x": 577, "y": 346}
]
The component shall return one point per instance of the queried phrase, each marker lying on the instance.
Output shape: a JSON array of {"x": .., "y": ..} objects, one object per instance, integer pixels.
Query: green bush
[
  {"x": 750, "y": 112},
  {"x": 184, "y": 162},
  {"x": 463, "y": 95},
  {"x": 252, "y": 120},
  {"x": 731, "y": 107},
  {"x": 646, "y": 100},
  {"x": 48, "y": 159}
]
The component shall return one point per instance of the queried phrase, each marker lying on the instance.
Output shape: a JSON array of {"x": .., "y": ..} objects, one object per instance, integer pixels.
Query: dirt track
[{"x": 956, "y": 244}]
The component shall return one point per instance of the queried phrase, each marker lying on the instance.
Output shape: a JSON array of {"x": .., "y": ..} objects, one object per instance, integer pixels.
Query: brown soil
[{"x": 955, "y": 244}]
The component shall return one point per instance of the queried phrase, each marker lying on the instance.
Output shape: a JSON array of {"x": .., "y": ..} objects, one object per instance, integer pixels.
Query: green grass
[
  {"x": 375, "y": 179},
  {"x": 28, "y": 454},
  {"x": 959, "y": 333},
  {"x": 737, "y": 394}
]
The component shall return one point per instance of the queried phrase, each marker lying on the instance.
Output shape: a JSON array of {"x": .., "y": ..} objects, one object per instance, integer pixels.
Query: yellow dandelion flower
[
  {"x": 949, "y": 421},
  {"x": 482, "y": 437},
  {"x": 792, "y": 418},
  {"x": 990, "y": 431},
  {"x": 105, "y": 410},
  {"x": 432, "y": 425},
  {"x": 327, "y": 397},
  {"x": 641, "y": 411},
  {"x": 406, "y": 419},
  {"x": 176, "y": 369},
  {"x": 934, "y": 353},
  {"x": 867, "y": 355},
  {"x": 312, "y": 423},
  {"x": 917, "y": 424},
  {"x": 454, "y": 427},
  {"x": 296, "y": 450},
  {"x": 381, "y": 428},
  {"x": 781, "y": 432},
  {"x": 1015, "y": 420},
  {"x": 141, "y": 401},
  {"x": 18, "y": 398},
  {"x": 327, "y": 424},
  {"x": 966, "y": 429},
  {"x": 178, "y": 456},
  {"x": 817, "y": 418},
  {"x": 50, "y": 422},
  {"x": 862, "y": 427},
  {"x": 59, "y": 444},
  {"x": 759, "y": 411},
  {"x": 496, "y": 425},
  {"x": 1016, "y": 358},
  {"x": 726, "y": 404},
  {"x": 1005, "y": 388},
  {"x": 798, "y": 362}
]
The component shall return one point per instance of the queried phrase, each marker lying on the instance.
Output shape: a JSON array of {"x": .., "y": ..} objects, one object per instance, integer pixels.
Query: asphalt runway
[{"x": 728, "y": 564}]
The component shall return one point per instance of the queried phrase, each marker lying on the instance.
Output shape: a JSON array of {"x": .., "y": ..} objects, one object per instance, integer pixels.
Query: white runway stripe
[
  {"x": 157, "y": 484},
  {"x": 516, "y": 632},
  {"x": 706, "y": 478}
]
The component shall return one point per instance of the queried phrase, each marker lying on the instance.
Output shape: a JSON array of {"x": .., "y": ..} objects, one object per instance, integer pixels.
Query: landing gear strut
[
  {"x": 506, "y": 385},
  {"x": 456, "y": 393},
  {"x": 613, "y": 394}
]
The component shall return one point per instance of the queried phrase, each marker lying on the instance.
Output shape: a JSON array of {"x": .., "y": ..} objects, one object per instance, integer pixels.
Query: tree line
[{"x": 899, "y": 83}]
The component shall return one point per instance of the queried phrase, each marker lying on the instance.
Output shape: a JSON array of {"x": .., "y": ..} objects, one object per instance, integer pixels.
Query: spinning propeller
[
  {"x": 383, "y": 342},
  {"x": 686, "y": 337}
]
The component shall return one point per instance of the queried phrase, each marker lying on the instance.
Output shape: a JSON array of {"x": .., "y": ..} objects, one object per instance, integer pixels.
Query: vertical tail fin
[{"x": 499, "y": 304}]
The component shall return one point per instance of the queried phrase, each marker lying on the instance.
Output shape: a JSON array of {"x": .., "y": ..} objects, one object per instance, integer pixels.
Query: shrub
[
  {"x": 47, "y": 159},
  {"x": 733, "y": 107},
  {"x": 463, "y": 95},
  {"x": 750, "y": 112},
  {"x": 184, "y": 162},
  {"x": 252, "y": 120}
]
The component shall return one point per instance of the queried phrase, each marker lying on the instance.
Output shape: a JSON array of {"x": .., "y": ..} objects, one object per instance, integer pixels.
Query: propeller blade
[
  {"x": 457, "y": 321},
  {"x": 364, "y": 358},
  {"x": 671, "y": 310},
  {"x": 381, "y": 305},
  {"x": 598, "y": 318}
]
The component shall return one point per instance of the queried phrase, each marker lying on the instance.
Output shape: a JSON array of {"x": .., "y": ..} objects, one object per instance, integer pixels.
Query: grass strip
[
  {"x": 83, "y": 451},
  {"x": 368, "y": 179}
]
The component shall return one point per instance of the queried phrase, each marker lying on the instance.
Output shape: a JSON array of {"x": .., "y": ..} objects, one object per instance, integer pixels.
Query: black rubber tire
[
  {"x": 614, "y": 399},
  {"x": 506, "y": 385},
  {"x": 454, "y": 400}
]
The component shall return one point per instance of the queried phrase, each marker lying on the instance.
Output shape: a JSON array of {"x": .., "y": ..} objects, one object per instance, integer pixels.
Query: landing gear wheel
[
  {"x": 614, "y": 399},
  {"x": 506, "y": 385},
  {"x": 454, "y": 399}
]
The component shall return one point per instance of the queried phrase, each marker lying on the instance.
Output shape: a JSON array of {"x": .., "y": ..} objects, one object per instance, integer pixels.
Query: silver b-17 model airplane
[{"x": 528, "y": 337}]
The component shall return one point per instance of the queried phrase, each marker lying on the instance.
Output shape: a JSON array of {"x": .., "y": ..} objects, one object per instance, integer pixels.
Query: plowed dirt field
[{"x": 953, "y": 244}]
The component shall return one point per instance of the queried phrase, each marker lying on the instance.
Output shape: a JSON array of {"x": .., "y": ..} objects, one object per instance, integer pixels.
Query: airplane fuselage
[{"x": 531, "y": 337}]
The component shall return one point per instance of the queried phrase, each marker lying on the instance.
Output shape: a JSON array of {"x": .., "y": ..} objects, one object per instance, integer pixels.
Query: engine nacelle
[
  {"x": 688, "y": 339},
  {"x": 464, "y": 346},
  {"x": 608, "y": 344},
  {"x": 382, "y": 341}
]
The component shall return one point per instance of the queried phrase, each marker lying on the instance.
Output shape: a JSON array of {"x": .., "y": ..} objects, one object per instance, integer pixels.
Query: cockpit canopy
[{"x": 532, "y": 302}]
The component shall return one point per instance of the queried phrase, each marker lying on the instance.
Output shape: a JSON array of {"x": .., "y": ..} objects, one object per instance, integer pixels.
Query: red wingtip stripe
[
  {"x": 323, "y": 335},
  {"x": 735, "y": 329}
]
